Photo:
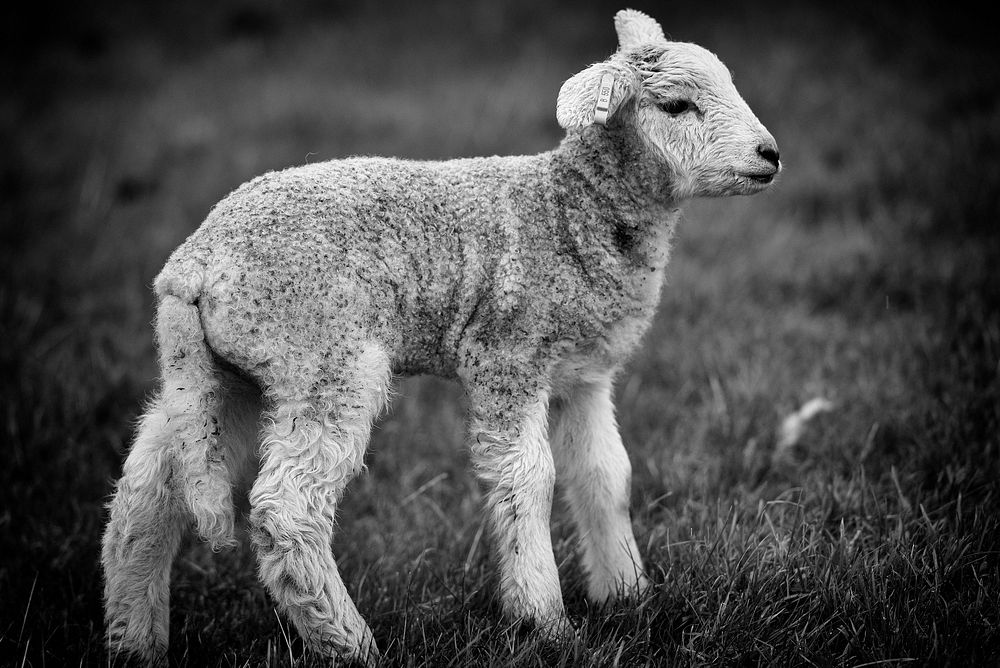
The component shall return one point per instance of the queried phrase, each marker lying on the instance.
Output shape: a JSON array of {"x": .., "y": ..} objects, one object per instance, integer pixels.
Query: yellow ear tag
[{"x": 604, "y": 99}]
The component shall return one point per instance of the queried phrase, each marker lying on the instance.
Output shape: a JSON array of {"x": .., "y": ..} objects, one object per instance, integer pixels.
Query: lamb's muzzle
[
  {"x": 769, "y": 151},
  {"x": 528, "y": 279}
]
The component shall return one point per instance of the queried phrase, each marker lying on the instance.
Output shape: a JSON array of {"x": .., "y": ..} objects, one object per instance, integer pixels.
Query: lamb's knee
[
  {"x": 282, "y": 527},
  {"x": 290, "y": 520},
  {"x": 291, "y": 556},
  {"x": 514, "y": 472}
]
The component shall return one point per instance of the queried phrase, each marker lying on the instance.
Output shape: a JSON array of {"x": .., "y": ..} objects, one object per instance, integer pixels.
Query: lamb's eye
[{"x": 677, "y": 106}]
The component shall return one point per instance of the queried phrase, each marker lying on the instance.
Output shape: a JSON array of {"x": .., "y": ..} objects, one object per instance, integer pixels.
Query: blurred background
[{"x": 866, "y": 276}]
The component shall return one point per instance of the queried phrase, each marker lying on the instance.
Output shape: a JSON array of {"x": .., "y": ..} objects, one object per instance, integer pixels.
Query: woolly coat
[{"x": 513, "y": 274}]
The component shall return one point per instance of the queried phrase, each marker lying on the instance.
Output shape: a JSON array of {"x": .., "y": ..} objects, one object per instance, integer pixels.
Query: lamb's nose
[{"x": 769, "y": 152}]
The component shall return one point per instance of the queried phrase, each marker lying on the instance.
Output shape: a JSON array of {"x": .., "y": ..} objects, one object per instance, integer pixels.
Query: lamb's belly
[{"x": 426, "y": 349}]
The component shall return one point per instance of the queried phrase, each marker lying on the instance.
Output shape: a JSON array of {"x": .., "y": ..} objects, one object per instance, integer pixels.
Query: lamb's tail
[{"x": 192, "y": 396}]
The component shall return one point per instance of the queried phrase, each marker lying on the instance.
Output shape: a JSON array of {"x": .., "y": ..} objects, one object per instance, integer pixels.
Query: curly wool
[{"x": 480, "y": 269}]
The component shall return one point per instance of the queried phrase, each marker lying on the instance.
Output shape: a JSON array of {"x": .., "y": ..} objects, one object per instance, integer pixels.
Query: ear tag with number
[{"x": 604, "y": 99}]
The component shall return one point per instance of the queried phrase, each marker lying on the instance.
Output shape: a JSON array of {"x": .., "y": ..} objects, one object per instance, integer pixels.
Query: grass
[{"x": 867, "y": 276}]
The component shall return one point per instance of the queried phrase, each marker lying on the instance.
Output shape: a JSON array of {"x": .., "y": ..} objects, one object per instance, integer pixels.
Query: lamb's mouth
[{"x": 762, "y": 178}]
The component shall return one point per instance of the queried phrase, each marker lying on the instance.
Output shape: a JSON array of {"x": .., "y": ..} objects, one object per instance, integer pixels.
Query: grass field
[{"x": 868, "y": 276}]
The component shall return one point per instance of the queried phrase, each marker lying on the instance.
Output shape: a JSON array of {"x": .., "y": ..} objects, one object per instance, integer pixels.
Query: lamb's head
[{"x": 679, "y": 101}]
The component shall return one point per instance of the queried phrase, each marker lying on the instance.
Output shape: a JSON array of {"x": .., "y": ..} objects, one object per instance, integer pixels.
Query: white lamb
[{"x": 529, "y": 279}]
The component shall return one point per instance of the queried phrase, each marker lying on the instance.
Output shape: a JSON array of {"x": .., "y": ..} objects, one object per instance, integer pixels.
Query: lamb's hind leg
[
  {"x": 146, "y": 522},
  {"x": 593, "y": 469},
  {"x": 312, "y": 446},
  {"x": 174, "y": 469}
]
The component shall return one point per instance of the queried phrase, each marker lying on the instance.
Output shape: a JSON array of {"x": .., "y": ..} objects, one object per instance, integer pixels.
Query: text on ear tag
[{"x": 604, "y": 99}]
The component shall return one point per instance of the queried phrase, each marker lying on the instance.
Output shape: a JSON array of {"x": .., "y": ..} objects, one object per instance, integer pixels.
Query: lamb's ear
[
  {"x": 635, "y": 29},
  {"x": 595, "y": 94}
]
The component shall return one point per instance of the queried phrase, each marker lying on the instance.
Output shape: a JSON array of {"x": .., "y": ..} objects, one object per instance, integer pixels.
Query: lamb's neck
[
  {"x": 613, "y": 161},
  {"x": 629, "y": 200}
]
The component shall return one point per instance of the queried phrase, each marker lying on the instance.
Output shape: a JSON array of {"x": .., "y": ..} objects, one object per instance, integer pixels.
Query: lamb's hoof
[
  {"x": 558, "y": 631},
  {"x": 133, "y": 644},
  {"x": 363, "y": 652},
  {"x": 368, "y": 655},
  {"x": 153, "y": 657},
  {"x": 620, "y": 592}
]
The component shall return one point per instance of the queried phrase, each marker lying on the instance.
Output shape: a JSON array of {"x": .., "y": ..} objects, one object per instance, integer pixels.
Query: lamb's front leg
[
  {"x": 511, "y": 456},
  {"x": 595, "y": 475}
]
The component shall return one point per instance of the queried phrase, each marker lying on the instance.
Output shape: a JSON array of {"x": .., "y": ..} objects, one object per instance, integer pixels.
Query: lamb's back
[{"x": 405, "y": 250}]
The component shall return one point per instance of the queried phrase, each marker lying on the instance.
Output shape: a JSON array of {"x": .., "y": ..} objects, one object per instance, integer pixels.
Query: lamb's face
[
  {"x": 690, "y": 113},
  {"x": 682, "y": 102}
]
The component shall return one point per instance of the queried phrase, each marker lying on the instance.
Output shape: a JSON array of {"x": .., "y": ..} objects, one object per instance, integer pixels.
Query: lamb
[{"x": 528, "y": 279}]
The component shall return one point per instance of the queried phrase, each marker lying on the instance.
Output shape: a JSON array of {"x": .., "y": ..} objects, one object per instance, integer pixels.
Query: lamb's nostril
[{"x": 769, "y": 153}]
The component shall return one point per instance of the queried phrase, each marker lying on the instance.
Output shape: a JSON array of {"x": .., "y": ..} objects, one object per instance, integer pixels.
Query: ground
[{"x": 866, "y": 276}]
